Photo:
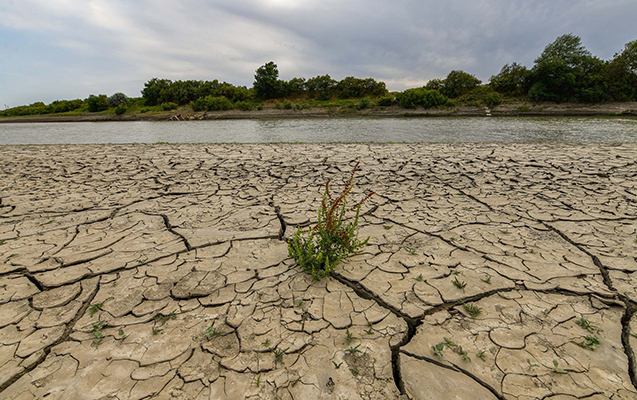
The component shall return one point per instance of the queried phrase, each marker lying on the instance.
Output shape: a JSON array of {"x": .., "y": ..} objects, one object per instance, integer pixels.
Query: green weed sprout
[{"x": 333, "y": 238}]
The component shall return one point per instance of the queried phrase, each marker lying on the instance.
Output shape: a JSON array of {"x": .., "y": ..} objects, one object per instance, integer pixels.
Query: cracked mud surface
[{"x": 161, "y": 271}]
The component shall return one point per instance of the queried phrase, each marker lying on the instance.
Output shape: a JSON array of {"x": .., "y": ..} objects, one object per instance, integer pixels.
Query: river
[{"x": 483, "y": 130}]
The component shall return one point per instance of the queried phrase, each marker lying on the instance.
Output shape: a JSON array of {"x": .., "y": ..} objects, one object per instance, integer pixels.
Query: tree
[
  {"x": 352, "y": 87},
  {"x": 117, "y": 99},
  {"x": 154, "y": 89},
  {"x": 566, "y": 71},
  {"x": 620, "y": 74},
  {"x": 567, "y": 49},
  {"x": 458, "y": 83},
  {"x": 266, "y": 81},
  {"x": 294, "y": 87},
  {"x": 435, "y": 84},
  {"x": 321, "y": 86},
  {"x": 512, "y": 79},
  {"x": 97, "y": 103}
]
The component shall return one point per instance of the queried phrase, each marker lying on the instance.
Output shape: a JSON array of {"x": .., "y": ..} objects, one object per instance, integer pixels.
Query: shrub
[
  {"x": 117, "y": 99},
  {"x": 199, "y": 104},
  {"x": 218, "y": 103},
  {"x": 97, "y": 103},
  {"x": 385, "y": 101},
  {"x": 168, "y": 106},
  {"x": 334, "y": 237},
  {"x": 364, "y": 103},
  {"x": 287, "y": 105},
  {"x": 411, "y": 98},
  {"x": 120, "y": 110},
  {"x": 492, "y": 100},
  {"x": 243, "y": 106}
]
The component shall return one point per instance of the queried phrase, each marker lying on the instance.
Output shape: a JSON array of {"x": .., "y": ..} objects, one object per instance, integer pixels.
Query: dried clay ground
[{"x": 162, "y": 271}]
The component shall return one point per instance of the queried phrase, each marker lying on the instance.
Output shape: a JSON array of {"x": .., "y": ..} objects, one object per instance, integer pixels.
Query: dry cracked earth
[{"x": 162, "y": 271}]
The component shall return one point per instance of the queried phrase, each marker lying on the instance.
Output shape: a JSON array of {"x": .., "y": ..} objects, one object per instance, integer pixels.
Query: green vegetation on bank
[{"x": 564, "y": 72}]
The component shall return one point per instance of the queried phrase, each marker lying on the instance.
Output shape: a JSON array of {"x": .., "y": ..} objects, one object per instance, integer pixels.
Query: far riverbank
[{"x": 513, "y": 109}]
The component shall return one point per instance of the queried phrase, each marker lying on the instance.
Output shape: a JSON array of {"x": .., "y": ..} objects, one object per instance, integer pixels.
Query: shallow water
[{"x": 527, "y": 129}]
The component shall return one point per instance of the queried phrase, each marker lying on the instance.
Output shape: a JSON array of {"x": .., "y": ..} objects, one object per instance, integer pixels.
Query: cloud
[{"x": 94, "y": 46}]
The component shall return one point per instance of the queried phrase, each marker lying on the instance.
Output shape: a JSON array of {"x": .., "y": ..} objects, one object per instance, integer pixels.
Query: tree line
[{"x": 565, "y": 72}]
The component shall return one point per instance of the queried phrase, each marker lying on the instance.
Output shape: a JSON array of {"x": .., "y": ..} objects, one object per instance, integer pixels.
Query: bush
[
  {"x": 117, "y": 99},
  {"x": 492, "y": 100},
  {"x": 243, "y": 106},
  {"x": 199, "y": 104},
  {"x": 210, "y": 103},
  {"x": 333, "y": 239},
  {"x": 97, "y": 103},
  {"x": 364, "y": 103},
  {"x": 168, "y": 106},
  {"x": 386, "y": 101},
  {"x": 411, "y": 98},
  {"x": 218, "y": 103},
  {"x": 120, "y": 110},
  {"x": 287, "y": 105}
]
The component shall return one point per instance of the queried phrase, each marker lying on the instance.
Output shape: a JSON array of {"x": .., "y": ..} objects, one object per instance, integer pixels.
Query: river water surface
[{"x": 510, "y": 129}]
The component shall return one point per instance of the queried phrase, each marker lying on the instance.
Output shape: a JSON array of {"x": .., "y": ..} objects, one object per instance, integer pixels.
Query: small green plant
[
  {"x": 95, "y": 307},
  {"x": 121, "y": 334},
  {"x": 531, "y": 365},
  {"x": 349, "y": 337},
  {"x": 257, "y": 380},
  {"x": 487, "y": 279},
  {"x": 162, "y": 319},
  {"x": 278, "y": 355},
  {"x": 97, "y": 332},
  {"x": 586, "y": 324},
  {"x": 157, "y": 331},
  {"x": 481, "y": 355},
  {"x": 589, "y": 343},
  {"x": 411, "y": 251},
  {"x": 334, "y": 237},
  {"x": 463, "y": 354},
  {"x": 3, "y": 242},
  {"x": 337, "y": 366},
  {"x": 473, "y": 310},
  {"x": 266, "y": 343},
  {"x": 387, "y": 227},
  {"x": 300, "y": 304},
  {"x": 211, "y": 332},
  {"x": 419, "y": 278},
  {"x": 354, "y": 371},
  {"x": 505, "y": 231},
  {"x": 353, "y": 350},
  {"x": 557, "y": 369},
  {"x": 228, "y": 346},
  {"x": 459, "y": 284},
  {"x": 438, "y": 348}
]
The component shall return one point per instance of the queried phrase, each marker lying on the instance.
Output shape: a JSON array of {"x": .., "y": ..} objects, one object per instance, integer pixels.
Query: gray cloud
[{"x": 73, "y": 48}]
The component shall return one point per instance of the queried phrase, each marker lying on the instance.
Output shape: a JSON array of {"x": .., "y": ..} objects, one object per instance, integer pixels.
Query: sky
[{"x": 66, "y": 49}]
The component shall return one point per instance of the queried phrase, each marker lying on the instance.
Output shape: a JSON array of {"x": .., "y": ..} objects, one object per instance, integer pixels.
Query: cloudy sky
[{"x": 64, "y": 49}]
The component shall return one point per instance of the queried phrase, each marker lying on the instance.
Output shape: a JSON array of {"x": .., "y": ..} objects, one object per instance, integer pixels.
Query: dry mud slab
[{"x": 161, "y": 271}]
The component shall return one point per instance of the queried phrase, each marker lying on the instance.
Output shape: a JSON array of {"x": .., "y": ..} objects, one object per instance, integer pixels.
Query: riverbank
[
  {"x": 509, "y": 109},
  {"x": 493, "y": 271}
]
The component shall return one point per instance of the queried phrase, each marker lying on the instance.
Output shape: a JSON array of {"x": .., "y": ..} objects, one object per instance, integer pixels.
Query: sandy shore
[
  {"x": 139, "y": 271},
  {"x": 515, "y": 109}
]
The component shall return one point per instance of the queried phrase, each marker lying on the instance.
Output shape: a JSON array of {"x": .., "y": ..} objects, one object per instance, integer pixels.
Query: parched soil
[{"x": 162, "y": 271}]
